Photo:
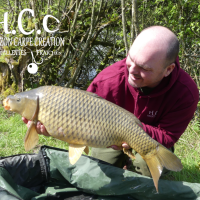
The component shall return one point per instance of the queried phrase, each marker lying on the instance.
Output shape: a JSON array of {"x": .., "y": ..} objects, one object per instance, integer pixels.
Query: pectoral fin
[
  {"x": 75, "y": 152},
  {"x": 31, "y": 139}
]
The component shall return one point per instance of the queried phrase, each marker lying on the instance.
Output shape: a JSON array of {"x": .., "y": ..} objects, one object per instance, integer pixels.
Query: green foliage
[
  {"x": 188, "y": 150},
  {"x": 81, "y": 57},
  {"x": 74, "y": 29},
  {"x": 182, "y": 17},
  {"x": 10, "y": 91}
]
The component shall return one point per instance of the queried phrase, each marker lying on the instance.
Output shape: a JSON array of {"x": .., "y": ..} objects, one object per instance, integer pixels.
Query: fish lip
[{"x": 6, "y": 104}]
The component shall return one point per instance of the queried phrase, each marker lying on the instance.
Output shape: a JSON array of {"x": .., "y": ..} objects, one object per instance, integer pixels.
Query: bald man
[{"x": 150, "y": 84}]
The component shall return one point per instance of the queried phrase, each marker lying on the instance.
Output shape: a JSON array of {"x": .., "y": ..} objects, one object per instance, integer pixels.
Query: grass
[
  {"x": 12, "y": 133},
  {"x": 13, "y": 130},
  {"x": 188, "y": 150}
]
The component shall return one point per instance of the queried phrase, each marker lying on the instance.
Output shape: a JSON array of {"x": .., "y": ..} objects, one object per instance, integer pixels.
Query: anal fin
[
  {"x": 75, "y": 152},
  {"x": 31, "y": 138}
]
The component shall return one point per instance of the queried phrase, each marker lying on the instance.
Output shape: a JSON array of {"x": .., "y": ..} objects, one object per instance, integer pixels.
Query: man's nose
[{"x": 134, "y": 69}]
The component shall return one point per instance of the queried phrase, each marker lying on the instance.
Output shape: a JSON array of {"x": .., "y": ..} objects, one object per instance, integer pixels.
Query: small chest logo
[{"x": 152, "y": 114}]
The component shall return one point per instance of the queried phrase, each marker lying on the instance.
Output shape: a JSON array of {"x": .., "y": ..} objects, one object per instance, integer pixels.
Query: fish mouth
[{"x": 6, "y": 104}]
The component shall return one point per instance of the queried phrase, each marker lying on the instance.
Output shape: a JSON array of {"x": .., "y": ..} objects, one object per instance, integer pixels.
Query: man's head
[{"x": 152, "y": 56}]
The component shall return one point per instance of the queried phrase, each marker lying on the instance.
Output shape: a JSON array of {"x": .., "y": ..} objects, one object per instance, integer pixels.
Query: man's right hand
[{"x": 40, "y": 128}]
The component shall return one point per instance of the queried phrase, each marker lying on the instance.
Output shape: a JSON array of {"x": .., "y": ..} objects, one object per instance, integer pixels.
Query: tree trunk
[
  {"x": 135, "y": 17},
  {"x": 124, "y": 26}
]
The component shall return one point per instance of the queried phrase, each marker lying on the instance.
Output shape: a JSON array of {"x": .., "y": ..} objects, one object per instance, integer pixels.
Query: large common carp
[{"x": 84, "y": 119}]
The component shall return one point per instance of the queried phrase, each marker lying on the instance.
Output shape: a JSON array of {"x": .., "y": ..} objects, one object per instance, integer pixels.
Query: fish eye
[{"x": 18, "y": 99}]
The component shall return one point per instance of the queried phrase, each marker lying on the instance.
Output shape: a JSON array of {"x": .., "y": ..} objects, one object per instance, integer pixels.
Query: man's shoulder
[
  {"x": 113, "y": 71},
  {"x": 187, "y": 84},
  {"x": 110, "y": 82}
]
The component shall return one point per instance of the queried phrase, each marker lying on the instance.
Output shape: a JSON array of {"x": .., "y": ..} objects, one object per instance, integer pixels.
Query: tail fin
[{"x": 162, "y": 157}]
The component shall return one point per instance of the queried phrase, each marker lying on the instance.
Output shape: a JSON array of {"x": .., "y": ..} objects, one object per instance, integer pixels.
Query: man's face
[{"x": 146, "y": 64}]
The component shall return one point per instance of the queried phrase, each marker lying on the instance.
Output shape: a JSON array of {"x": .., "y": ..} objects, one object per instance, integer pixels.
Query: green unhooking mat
[{"x": 49, "y": 175}]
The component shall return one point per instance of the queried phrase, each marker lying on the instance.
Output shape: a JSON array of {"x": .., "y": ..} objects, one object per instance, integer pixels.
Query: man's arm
[{"x": 173, "y": 124}]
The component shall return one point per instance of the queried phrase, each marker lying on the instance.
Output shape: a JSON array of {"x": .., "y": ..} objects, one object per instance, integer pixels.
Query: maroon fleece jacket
[{"x": 164, "y": 113}]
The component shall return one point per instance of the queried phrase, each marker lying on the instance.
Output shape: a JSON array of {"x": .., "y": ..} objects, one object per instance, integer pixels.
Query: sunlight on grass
[{"x": 188, "y": 150}]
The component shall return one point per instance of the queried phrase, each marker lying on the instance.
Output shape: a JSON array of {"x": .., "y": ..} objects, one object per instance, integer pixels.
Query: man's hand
[
  {"x": 124, "y": 145},
  {"x": 40, "y": 128},
  {"x": 128, "y": 163}
]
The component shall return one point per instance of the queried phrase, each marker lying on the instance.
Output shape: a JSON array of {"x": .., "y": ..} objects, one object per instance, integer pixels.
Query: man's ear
[{"x": 169, "y": 69}]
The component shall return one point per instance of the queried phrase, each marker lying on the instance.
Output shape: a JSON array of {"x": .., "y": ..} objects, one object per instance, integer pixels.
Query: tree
[
  {"x": 89, "y": 36},
  {"x": 81, "y": 47}
]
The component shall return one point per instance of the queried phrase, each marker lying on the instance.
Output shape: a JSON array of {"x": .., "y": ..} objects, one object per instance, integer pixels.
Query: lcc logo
[
  {"x": 5, "y": 22},
  {"x": 32, "y": 67}
]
